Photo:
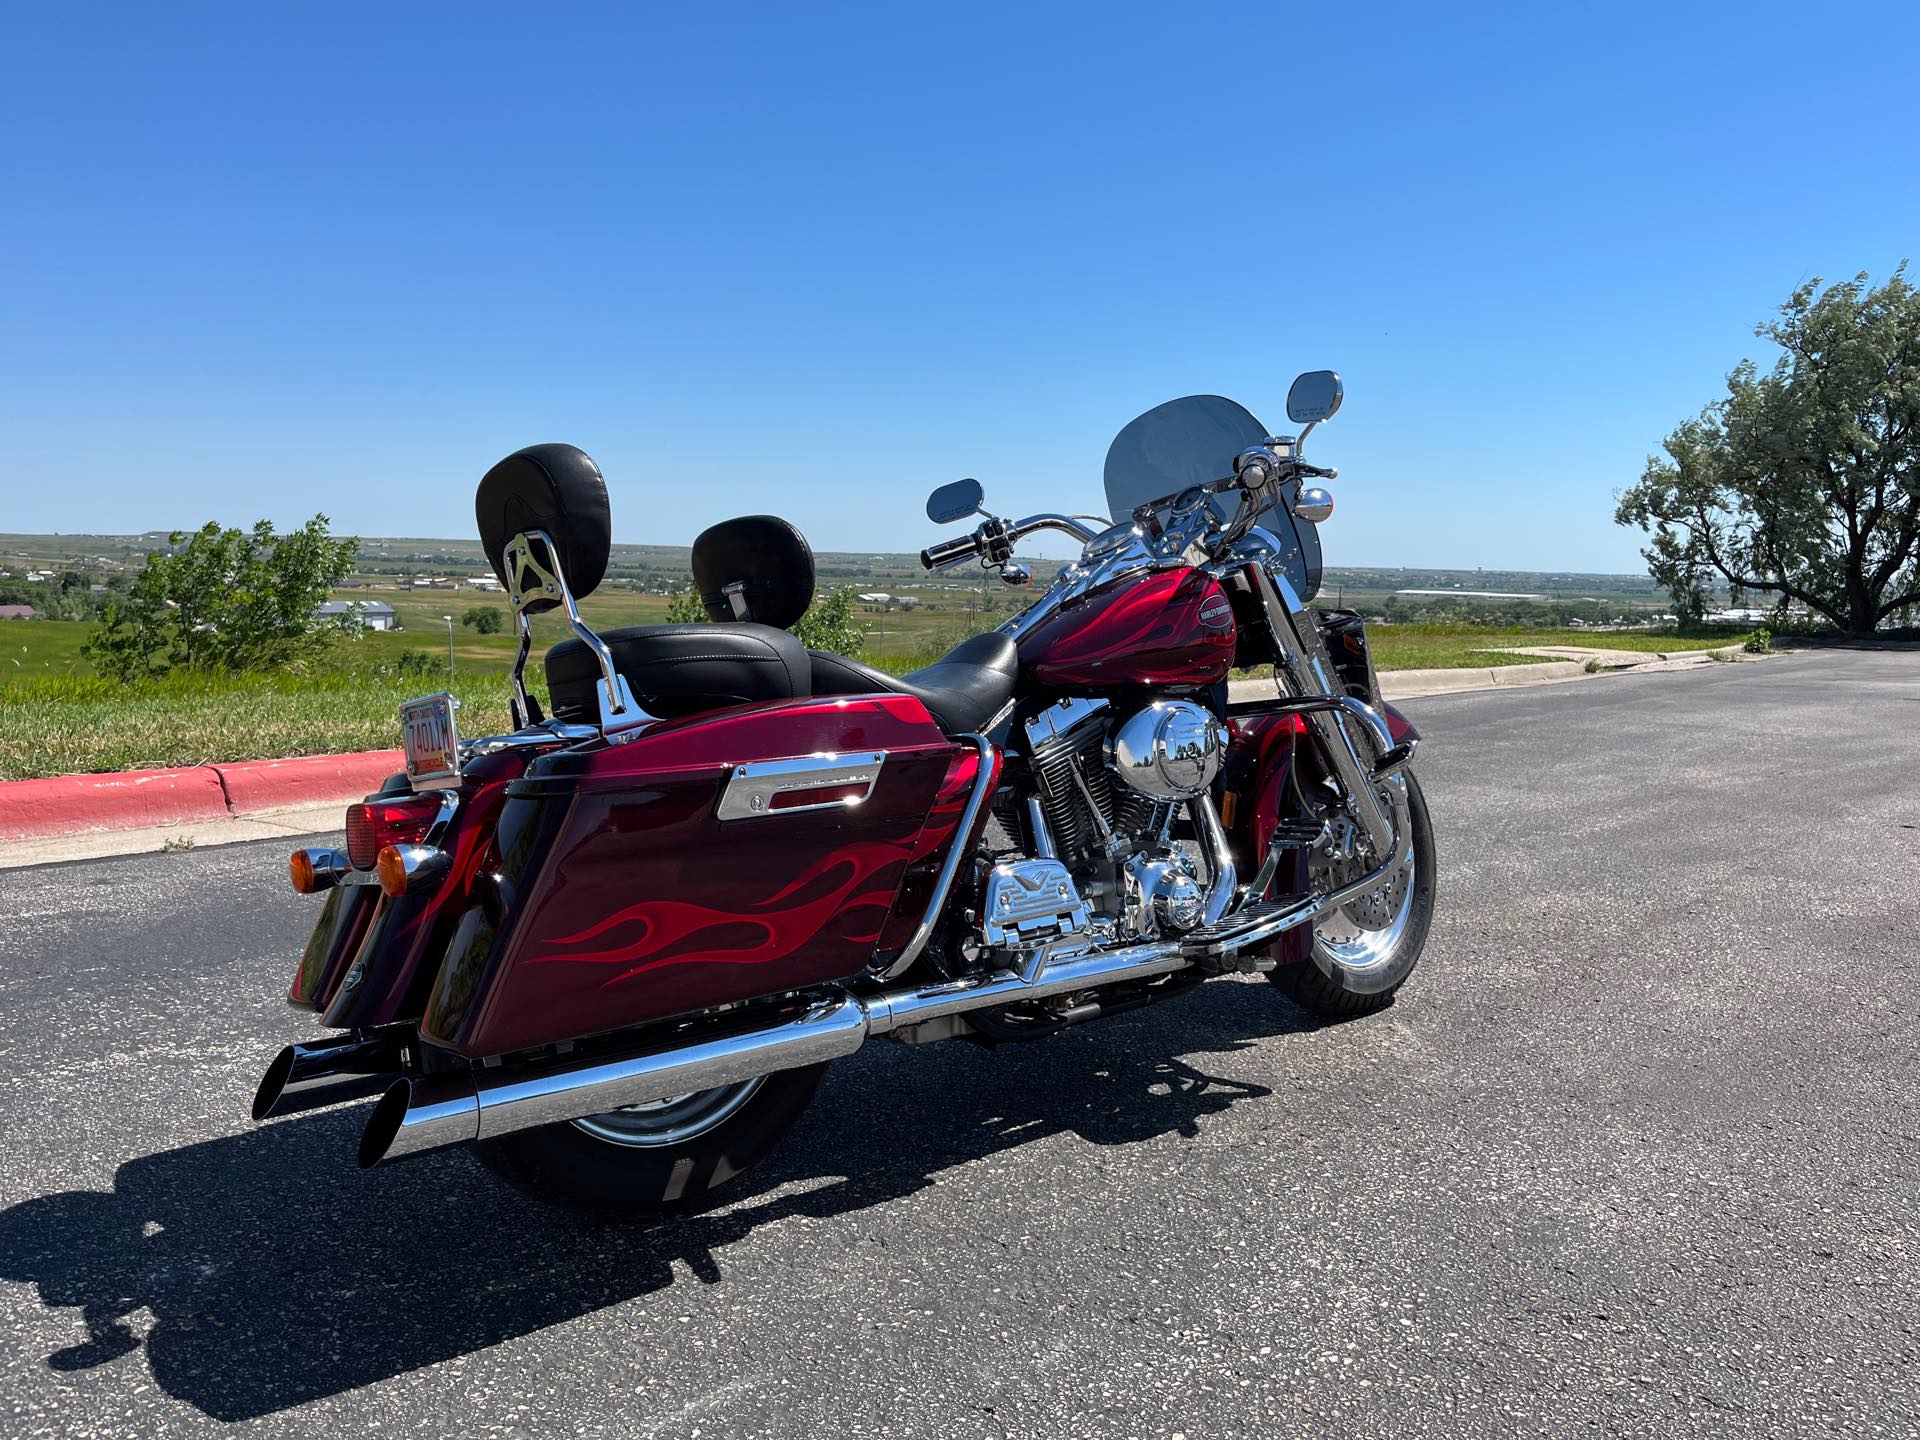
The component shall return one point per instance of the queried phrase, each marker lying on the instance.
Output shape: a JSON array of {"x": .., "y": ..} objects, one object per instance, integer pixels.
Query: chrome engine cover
[
  {"x": 1171, "y": 750},
  {"x": 1162, "y": 894},
  {"x": 1030, "y": 902}
]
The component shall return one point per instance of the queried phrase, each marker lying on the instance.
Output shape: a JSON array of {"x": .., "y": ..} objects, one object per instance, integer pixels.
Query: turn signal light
[
  {"x": 388, "y": 820},
  {"x": 315, "y": 870},
  {"x": 402, "y": 868}
]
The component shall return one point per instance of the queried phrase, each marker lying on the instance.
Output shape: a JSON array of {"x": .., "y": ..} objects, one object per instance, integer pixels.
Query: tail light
[{"x": 388, "y": 820}]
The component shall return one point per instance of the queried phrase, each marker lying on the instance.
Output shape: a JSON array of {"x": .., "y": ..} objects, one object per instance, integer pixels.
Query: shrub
[
  {"x": 1759, "y": 642},
  {"x": 225, "y": 601}
]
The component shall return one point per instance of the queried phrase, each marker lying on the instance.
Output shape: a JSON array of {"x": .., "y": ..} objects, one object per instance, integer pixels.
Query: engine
[{"x": 1107, "y": 784}]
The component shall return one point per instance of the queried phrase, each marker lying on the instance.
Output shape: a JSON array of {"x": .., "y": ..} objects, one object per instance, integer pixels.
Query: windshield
[{"x": 1189, "y": 442}]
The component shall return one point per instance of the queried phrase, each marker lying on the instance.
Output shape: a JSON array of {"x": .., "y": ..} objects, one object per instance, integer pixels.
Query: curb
[
  {"x": 305, "y": 780},
  {"x": 129, "y": 800},
  {"x": 145, "y": 799}
]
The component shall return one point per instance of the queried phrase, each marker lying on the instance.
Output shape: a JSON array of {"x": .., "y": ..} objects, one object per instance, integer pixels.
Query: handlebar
[
  {"x": 993, "y": 539},
  {"x": 948, "y": 552}
]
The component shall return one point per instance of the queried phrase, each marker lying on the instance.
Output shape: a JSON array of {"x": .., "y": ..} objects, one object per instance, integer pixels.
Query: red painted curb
[
  {"x": 127, "y": 801},
  {"x": 306, "y": 780},
  {"x": 137, "y": 799}
]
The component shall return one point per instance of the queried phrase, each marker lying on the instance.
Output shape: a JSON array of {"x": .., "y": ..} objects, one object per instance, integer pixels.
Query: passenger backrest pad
[{"x": 756, "y": 568}]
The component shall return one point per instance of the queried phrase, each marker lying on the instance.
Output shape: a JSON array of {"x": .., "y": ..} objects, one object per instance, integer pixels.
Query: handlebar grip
[{"x": 947, "y": 552}]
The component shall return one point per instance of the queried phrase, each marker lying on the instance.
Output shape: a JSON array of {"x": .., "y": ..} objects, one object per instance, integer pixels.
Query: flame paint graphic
[{"x": 845, "y": 881}]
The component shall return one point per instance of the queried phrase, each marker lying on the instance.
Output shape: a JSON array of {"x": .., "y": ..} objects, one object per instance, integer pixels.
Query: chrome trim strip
[
  {"x": 751, "y": 790},
  {"x": 949, "y": 867}
]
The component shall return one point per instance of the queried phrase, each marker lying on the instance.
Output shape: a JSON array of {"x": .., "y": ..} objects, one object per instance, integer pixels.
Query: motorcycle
[{"x": 616, "y": 949}]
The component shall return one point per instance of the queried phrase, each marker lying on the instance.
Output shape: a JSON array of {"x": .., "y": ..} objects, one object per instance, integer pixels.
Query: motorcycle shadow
[{"x": 275, "y": 1274}]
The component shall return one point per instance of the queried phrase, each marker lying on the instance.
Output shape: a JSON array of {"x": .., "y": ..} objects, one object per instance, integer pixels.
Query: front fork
[{"x": 1306, "y": 673}]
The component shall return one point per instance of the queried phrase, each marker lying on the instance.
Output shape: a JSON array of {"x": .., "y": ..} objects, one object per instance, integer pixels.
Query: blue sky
[{"x": 816, "y": 259}]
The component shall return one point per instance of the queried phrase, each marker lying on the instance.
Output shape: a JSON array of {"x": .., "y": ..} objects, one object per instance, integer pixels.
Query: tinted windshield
[{"x": 1189, "y": 442}]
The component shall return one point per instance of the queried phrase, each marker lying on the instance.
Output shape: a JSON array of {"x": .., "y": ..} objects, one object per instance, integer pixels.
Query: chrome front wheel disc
[{"x": 1361, "y": 942}]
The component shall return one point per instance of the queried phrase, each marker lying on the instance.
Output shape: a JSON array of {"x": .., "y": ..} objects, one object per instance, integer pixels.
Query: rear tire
[
  {"x": 660, "y": 1169},
  {"x": 1342, "y": 980}
]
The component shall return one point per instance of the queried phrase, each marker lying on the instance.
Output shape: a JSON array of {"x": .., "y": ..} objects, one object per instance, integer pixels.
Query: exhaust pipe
[
  {"x": 426, "y": 1112},
  {"x": 328, "y": 1072}
]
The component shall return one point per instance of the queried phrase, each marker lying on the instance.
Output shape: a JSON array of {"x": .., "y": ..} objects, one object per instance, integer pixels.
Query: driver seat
[
  {"x": 757, "y": 572},
  {"x": 963, "y": 690}
]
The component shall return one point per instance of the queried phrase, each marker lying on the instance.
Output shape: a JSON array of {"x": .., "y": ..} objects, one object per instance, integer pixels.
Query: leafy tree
[
  {"x": 484, "y": 619},
  {"x": 225, "y": 600},
  {"x": 685, "y": 608},
  {"x": 829, "y": 623},
  {"x": 1804, "y": 482}
]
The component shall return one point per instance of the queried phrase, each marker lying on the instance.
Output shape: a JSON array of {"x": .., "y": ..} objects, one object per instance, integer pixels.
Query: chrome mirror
[
  {"x": 1313, "y": 504},
  {"x": 1015, "y": 574},
  {"x": 1315, "y": 396},
  {"x": 955, "y": 501}
]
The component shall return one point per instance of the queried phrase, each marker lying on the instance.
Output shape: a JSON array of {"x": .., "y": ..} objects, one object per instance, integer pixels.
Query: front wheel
[
  {"x": 670, "y": 1157},
  {"x": 1364, "y": 951}
]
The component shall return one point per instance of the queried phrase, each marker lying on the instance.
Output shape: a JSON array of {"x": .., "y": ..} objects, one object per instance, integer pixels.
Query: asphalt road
[{"x": 1635, "y": 1153}]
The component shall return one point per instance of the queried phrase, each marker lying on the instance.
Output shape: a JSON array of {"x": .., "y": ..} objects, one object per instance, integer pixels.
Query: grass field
[{"x": 57, "y": 717}]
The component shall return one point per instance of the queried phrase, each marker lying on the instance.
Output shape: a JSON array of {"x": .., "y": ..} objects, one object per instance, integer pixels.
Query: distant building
[
  {"x": 371, "y": 614},
  {"x": 484, "y": 582},
  {"x": 17, "y": 612}
]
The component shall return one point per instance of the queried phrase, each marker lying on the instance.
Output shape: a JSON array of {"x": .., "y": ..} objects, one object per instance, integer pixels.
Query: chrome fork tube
[{"x": 1306, "y": 671}]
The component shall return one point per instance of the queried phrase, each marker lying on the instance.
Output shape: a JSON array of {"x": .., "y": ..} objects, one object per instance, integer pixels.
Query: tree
[
  {"x": 226, "y": 600},
  {"x": 484, "y": 619},
  {"x": 1804, "y": 482},
  {"x": 684, "y": 607},
  {"x": 829, "y": 624}
]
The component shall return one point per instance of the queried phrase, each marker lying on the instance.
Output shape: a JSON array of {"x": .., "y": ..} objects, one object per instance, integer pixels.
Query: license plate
[{"x": 432, "y": 740}]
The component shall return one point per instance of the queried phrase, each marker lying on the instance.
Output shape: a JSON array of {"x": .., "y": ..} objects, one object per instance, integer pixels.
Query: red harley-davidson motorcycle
[{"x": 617, "y": 948}]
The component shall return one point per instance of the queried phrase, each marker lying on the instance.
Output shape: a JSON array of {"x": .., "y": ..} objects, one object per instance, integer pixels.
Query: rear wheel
[
  {"x": 1364, "y": 951},
  {"x": 668, "y": 1157}
]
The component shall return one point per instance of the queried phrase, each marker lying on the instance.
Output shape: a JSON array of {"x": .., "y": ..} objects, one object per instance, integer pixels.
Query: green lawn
[
  {"x": 57, "y": 717},
  {"x": 1457, "y": 647}
]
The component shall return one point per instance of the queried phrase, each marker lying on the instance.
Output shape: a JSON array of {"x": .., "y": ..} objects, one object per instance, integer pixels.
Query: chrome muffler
[
  {"x": 426, "y": 1112},
  {"x": 330, "y": 1072}
]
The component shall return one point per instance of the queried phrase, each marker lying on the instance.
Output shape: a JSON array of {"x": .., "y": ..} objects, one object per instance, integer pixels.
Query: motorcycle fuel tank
[{"x": 1166, "y": 627}]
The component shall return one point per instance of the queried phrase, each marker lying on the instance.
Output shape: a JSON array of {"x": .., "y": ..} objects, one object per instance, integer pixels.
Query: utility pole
[{"x": 449, "y": 620}]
